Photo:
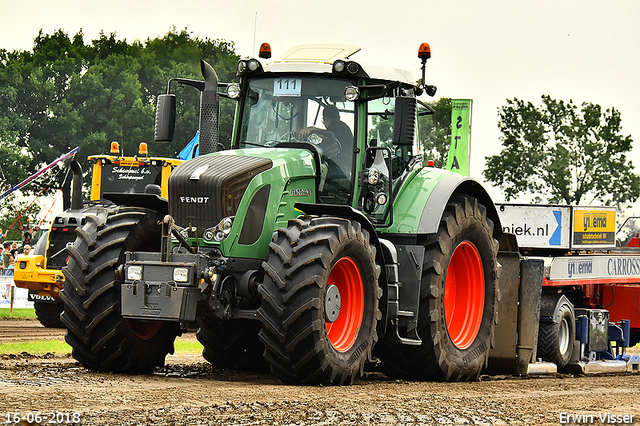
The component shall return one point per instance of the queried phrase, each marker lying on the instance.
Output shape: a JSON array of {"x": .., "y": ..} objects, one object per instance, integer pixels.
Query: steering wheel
[{"x": 330, "y": 145}]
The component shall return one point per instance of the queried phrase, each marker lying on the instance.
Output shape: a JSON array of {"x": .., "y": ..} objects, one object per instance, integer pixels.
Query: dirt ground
[{"x": 188, "y": 391}]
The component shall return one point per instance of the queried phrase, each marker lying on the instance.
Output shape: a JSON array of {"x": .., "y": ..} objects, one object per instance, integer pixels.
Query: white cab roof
[{"x": 319, "y": 58}]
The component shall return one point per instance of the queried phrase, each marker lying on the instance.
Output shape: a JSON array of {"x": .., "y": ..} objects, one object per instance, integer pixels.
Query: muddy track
[
  {"x": 25, "y": 330},
  {"x": 189, "y": 391}
]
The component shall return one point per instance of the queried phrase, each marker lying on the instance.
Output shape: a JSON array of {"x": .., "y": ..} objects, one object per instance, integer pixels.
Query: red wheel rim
[
  {"x": 464, "y": 295},
  {"x": 343, "y": 331},
  {"x": 145, "y": 330}
]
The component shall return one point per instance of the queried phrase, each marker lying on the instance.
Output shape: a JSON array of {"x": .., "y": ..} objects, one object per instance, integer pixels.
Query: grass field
[
  {"x": 17, "y": 313},
  {"x": 41, "y": 347}
]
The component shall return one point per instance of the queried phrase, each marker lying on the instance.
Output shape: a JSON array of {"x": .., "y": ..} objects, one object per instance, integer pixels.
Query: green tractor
[{"x": 319, "y": 242}]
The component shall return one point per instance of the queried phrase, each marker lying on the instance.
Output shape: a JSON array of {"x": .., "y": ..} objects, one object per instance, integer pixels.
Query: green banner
[{"x": 458, "y": 159}]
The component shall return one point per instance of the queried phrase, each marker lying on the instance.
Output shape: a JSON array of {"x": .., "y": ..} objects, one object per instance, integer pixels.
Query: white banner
[{"x": 20, "y": 295}]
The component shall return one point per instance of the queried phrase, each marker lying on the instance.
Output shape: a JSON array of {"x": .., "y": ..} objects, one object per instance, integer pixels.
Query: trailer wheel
[
  {"x": 232, "y": 344},
  {"x": 320, "y": 301},
  {"x": 100, "y": 337},
  {"x": 555, "y": 339},
  {"x": 456, "y": 318},
  {"x": 49, "y": 313}
]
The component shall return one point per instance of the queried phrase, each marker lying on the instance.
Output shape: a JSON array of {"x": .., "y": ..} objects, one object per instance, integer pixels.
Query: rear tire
[
  {"x": 456, "y": 318},
  {"x": 320, "y": 301},
  {"x": 555, "y": 340},
  {"x": 49, "y": 313},
  {"x": 101, "y": 338},
  {"x": 232, "y": 344}
]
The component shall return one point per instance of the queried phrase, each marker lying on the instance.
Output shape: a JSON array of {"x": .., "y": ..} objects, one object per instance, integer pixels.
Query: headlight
[
  {"x": 374, "y": 176},
  {"x": 227, "y": 223},
  {"x": 253, "y": 65},
  {"x": 351, "y": 93},
  {"x": 220, "y": 231},
  {"x": 134, "y": 273},
  {"x": 181, "y": 275},
  {"x": 381, "y": 198},
  {"x": 233, "y": 90},
  {"x": 249, "y": 66}
]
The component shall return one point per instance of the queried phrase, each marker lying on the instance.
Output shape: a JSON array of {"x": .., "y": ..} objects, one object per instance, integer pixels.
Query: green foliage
[
  {"x": 9, "y": 212},
  {"x": 435, "y": 132},
  {"x": 67, "y": 93},
  {"x": 563, "y": 154}
]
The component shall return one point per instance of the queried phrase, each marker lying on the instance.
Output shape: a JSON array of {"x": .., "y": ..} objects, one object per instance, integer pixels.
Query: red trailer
[{"x": 590, "y": 305}]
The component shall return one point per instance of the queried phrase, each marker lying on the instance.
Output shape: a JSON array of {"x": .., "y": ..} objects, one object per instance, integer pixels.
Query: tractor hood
[{"x": 211, "y": 187}]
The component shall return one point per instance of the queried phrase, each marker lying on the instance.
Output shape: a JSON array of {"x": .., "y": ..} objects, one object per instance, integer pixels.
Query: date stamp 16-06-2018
[{"x": 42, "y": 418}]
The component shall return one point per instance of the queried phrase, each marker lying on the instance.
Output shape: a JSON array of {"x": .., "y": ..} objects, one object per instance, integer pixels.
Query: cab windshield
[{"x": 309, "y": 109}]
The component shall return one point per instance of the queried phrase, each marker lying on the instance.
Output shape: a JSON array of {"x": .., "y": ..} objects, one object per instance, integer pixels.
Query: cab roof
[{"x": 319, "y": 58}]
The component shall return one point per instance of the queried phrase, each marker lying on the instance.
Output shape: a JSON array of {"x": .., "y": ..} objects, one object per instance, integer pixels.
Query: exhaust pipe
[
  {"x": 209, "y": 111},
  {"x": 76, "y": 190}
]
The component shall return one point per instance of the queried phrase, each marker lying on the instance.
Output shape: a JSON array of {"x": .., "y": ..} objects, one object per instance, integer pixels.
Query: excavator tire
[{"x": 49, "y": 313}]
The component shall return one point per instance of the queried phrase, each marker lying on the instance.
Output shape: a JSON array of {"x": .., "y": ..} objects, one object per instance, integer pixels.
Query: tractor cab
[{"x": 358, "y": 121}]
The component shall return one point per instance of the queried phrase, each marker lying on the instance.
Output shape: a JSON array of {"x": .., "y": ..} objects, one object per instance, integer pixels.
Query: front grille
[{"x": 217, "y": 192}]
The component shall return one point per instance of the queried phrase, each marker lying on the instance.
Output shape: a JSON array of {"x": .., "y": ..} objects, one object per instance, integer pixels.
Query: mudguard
[
  {"x": 151, "y": 201},
  {"x": 422, "y": 198}
]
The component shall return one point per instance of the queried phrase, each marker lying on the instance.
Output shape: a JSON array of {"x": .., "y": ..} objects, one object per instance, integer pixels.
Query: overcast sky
[{"x": 584, "y": 50}]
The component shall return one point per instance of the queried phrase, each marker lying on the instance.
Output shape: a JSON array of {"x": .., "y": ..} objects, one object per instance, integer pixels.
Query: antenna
[{"x": 255, "y": 26}]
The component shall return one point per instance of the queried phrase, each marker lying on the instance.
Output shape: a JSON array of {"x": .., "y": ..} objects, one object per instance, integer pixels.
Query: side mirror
[
  {"x": 165, "y": 118},
  {"x": 404, "y": 120}
]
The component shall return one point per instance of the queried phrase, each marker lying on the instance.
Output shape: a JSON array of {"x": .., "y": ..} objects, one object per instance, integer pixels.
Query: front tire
[
  {"x": 456, "y": 318},
  {"x": 232, "y": 344},
  {"x": 101, "y": 338},
  {"x": 320, "y": 301}
]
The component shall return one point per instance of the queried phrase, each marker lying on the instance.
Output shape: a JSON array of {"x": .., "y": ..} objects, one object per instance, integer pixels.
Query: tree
[
  {"x": 563, "y": 154},
  {"x": 435, "y": 132},
  {"x": 434, "y": 135},
  {"x": 67, "y": 93},
  {"x": 15, "y": 216}
]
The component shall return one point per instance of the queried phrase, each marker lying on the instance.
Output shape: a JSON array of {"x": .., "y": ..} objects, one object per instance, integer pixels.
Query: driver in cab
[{"x": 336, "y": 137}]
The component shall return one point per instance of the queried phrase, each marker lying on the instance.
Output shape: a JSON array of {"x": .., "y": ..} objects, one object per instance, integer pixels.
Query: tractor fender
[
  {"x": 420, "y": 202},
  {"x": 342, "y": 211},
  {"x": 441, "y": 194}
]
